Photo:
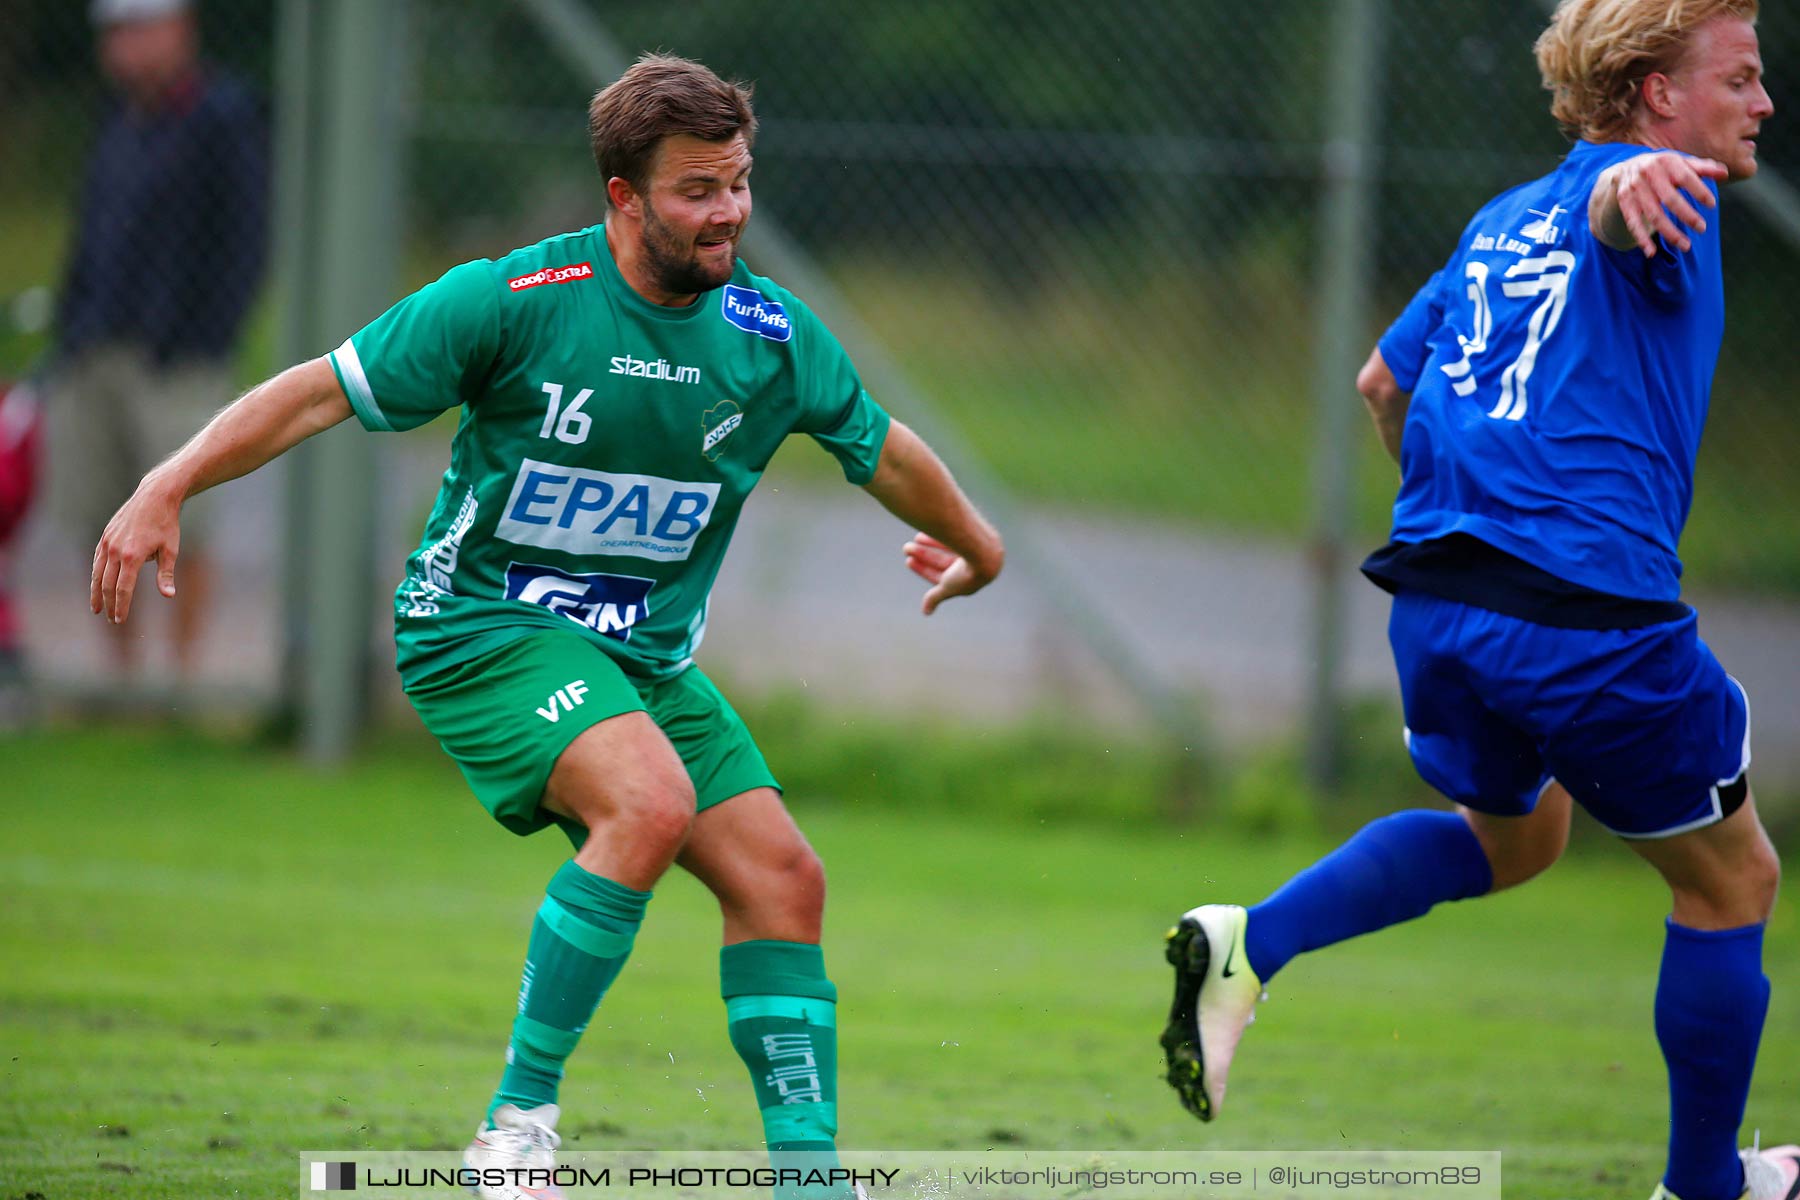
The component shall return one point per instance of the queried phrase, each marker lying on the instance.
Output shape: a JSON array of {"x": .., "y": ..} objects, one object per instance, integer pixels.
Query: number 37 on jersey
[{"x": 1543, "y": 284}]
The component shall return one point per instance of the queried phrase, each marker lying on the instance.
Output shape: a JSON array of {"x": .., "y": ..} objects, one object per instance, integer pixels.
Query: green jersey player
[{"x": 621, "y": 390}]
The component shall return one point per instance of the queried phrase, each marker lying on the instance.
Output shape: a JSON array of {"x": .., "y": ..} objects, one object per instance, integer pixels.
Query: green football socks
[
  {"x": 781, "y": 1013},
  {"x": 580, "y": 940}
]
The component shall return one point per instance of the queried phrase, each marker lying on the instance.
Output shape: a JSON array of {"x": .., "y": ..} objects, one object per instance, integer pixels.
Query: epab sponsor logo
[
  {"x": 568, "y": 274},
  {"x": 581, "y": 511},
  {"x": 607, "y": 604},
  {"x": 753, "y": 312}
]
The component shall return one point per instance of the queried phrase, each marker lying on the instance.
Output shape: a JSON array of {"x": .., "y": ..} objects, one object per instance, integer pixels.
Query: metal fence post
[
  {"x": 339, "y": 198},
  {"x": 1345, "y": 236},
  {"x": 296, "y": 257}
]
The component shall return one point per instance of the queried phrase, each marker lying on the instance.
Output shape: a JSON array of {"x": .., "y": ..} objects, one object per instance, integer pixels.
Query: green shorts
[{"x": 505, "y": 717}]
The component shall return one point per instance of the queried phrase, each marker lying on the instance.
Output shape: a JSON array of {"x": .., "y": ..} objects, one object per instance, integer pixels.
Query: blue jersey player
[{"x": 1544, "y": 395}]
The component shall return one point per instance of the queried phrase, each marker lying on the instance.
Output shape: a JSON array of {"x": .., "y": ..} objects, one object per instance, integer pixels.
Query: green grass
[{"x": 217, "y": 957}]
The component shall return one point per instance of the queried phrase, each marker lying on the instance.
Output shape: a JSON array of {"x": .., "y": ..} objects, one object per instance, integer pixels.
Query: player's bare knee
[
  {"x": 1546, "y": 849},
  {"x": 652, "y": 815},
  {"x": 1523, "y": 863},
  {"x": 1736, "y": 874},
  {"x": 663, "y": 815},
  {"x": 804, "y": 879},
  {"x": 1762, "y": 880},
  {"x": 790, "y": 877},
  {"x": 1729, "y": 894},
  {"x": 781, "y": 895},
  {"x": 1519, "y": 848},
  {"x": 801, "y": 889}
]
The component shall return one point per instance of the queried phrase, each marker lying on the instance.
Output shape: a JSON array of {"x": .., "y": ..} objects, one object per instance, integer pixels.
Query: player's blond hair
[{"x": 1596, "y": 54}]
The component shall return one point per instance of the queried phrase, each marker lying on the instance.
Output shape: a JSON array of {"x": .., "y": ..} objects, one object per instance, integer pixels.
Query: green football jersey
[{"x": 606, "y": 448}]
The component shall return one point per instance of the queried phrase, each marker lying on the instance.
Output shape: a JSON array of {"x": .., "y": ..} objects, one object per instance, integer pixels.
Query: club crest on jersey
[
  {"x": 753, "y": 312},
  {"x": 607, "y": 604},
  {"x": 716, "y": 424},
  {"x": 598, "y": 512}
]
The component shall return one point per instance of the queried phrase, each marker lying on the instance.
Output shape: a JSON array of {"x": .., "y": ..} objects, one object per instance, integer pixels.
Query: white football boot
[
  {"x": 1215, "y": 1001},
  {"x": 1772, "y": 1174},
  {"x": 519, "y": 1139}
]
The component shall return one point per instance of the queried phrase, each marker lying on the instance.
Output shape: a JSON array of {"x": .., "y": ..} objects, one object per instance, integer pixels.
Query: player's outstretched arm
[
  {"x": 1635, "y": 201},
  {"x": 261, "y": 424},
  {"x": 956, "y": 551},
  {"x": 1386, "y": 401}
]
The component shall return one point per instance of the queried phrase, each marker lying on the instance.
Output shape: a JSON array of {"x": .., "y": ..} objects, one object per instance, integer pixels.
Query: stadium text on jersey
[{"x": 662, "y": 368}]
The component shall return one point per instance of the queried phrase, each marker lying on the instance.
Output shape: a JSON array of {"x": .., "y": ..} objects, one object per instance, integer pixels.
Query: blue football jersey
[{"x": 1559, "y": 387}]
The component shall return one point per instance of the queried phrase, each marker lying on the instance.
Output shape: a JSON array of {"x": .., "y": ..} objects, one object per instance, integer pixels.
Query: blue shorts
[{"x": 1642, "y": 726}]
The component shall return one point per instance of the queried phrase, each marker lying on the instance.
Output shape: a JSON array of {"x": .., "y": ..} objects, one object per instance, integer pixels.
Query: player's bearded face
[
  {"x": 697, "y": 262},
  {"x": 694, "y": 211}
]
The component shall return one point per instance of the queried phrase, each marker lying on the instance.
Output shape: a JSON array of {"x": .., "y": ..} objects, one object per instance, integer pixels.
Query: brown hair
[
  {"x": 1595, "y": 56},
  {"x": 659, "y": 96}
]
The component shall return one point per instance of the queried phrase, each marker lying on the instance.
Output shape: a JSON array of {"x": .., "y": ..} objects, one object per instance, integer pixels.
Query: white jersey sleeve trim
[{"x": 356, "y": 387}]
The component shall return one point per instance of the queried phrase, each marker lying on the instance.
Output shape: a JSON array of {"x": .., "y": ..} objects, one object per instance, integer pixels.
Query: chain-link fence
[
  {"x": 1087, "y": 235},
  {"x": 1088, "y": 232}
]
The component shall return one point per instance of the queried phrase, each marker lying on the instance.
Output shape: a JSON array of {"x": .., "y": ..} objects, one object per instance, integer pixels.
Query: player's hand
[
  {"x": 146, "y": 528},
  {"x": 1655, "y": 191},
  {"x": 948, "y": 573}
]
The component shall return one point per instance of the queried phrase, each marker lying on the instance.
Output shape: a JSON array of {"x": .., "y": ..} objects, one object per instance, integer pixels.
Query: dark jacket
[{"x": 173, "y": 225}]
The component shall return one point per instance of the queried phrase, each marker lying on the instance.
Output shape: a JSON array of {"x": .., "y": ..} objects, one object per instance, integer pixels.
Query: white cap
[{"x": 114, "y": 12}]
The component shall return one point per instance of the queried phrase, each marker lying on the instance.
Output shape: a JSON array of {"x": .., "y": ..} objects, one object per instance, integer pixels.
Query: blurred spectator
[
  {"x": 20, "y": 444},
  {"x": 168, "y": 252}
]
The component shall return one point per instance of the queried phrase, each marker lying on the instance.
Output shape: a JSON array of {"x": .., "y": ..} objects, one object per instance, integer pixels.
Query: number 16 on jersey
[{"x": 573, "y": 425}]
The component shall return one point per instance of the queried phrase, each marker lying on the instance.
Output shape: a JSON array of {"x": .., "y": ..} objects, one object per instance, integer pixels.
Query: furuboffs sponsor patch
[
  {"x": 753, "y": 312},
  {"x": 568, "y": 274}
]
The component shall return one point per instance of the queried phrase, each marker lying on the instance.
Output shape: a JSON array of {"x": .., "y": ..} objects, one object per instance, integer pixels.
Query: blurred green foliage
[{"x": 1089, "y": 239}]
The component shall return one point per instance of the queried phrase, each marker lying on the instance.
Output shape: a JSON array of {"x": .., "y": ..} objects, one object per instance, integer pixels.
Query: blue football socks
[
  {"x": 1393, "y": 870},
  {"x": 1710, "y": 1002}
]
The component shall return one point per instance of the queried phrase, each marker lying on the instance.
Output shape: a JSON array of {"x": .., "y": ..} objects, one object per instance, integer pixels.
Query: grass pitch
[{"x": 214, "y": 958}]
